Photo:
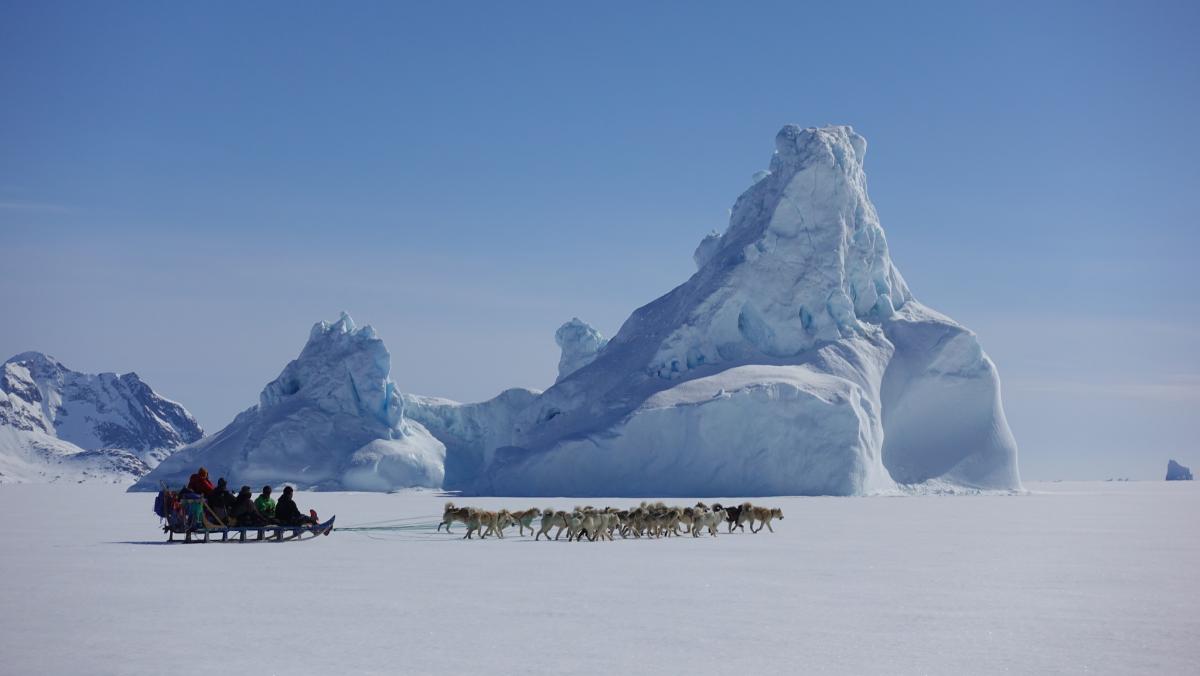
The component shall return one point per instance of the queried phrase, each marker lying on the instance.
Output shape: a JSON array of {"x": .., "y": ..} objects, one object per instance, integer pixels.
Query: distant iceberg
[
  {"x": 1177, "y": 472},
  {"x": 332, "y": 420}
]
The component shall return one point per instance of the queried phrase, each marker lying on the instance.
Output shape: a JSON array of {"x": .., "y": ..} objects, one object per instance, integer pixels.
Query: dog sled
[
  {"x": 269, "y": 533},
  {"x": 192, "y": 519}
]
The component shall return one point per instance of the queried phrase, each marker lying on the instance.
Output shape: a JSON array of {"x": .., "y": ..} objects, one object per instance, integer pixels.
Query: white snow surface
[
  {"x": 332, "y": 420},
  {"x": 1073, "y": 578},
  {"x": 61, "y": 425},
  {"x": 795, "y": 360}
]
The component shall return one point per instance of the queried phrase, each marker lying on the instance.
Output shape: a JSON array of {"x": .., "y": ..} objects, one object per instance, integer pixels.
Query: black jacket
[
  {"x": 221, "y": 501},
  {"x": 245, "y": 512},
  {"x": 287, "y": 512}
]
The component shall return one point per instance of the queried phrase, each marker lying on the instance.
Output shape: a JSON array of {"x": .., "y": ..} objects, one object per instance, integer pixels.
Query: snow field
[{"x": 1072, "y": 578}]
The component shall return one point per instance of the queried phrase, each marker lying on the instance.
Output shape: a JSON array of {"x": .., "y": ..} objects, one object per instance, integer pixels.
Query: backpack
[{"x": 166, "y": 504}]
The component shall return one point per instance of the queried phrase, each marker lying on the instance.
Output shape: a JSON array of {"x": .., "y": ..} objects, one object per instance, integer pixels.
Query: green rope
[
  {"x": 387, "y": 522},
  {"x": 397, "y": 528}
]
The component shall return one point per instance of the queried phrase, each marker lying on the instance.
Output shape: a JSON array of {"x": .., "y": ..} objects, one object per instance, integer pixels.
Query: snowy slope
[
  {"x": 331, "y": 420},
  {"x": 61, "y": 425},
  {"x": 795, "y": 360}
]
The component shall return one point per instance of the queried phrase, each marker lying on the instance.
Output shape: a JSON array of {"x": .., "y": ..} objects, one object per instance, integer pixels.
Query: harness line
[{"x": 406, "y": 524}]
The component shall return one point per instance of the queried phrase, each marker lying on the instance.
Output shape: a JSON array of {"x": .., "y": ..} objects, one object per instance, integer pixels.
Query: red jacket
[{"x": 200, "y": 484}]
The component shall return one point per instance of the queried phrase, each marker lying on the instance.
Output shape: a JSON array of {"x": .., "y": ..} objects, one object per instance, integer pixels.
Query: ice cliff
[
  {"x": 57, "y": 424},
  {"x": 332, "y": 420},
  {"x": 794, "y": 361},
  {"x": 472, "y": 433}
]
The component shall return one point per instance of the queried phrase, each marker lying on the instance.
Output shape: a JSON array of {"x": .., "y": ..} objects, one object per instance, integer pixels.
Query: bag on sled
[{"x": 166, "y": 503}]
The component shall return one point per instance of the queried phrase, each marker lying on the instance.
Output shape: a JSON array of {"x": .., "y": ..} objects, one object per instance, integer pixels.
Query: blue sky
[{"x": 184, "y": 190}]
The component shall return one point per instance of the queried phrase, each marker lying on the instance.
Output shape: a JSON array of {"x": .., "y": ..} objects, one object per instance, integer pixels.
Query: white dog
[{"x": 552, "y": 519}]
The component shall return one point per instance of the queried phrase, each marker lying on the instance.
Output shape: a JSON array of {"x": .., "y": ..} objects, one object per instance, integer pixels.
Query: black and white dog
[{"x": 733, "y": 516}]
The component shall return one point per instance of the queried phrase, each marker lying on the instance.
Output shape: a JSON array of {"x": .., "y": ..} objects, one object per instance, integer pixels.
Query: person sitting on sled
[
  {"x": 191, "y": 507},
  {"x": 265, "y": 503},
  {"x": 288, "y": 514},
  {"x": 244, "y": 513},
  {"x": 199, "y": 483},
  {"x": 220, "y": 501}
]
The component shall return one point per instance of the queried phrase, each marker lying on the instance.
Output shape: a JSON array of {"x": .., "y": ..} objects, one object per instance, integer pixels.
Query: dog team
[{"x": 651, "y": 520}]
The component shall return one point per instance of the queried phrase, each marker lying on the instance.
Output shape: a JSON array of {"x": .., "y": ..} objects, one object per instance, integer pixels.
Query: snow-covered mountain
[
  {"x": 332, "y": 420},
  {"x": 61, "y": 425},
  {"x": 794, "y": 361}
]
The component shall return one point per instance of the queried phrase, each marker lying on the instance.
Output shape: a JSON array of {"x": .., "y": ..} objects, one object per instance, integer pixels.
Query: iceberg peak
[
  {"x": 342, "y": 369},
  {"x": 343, "y": 325},
  {"x": 803, "y": 261},
  {"x": 580, "y": 343},
  {"x": 333, "y": 419},
  {"x": 798, "y": 144}
]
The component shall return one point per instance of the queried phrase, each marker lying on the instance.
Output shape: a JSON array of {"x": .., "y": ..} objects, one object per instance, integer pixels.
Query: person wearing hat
[
  {"x": 199, "y": 483},
  {"x": 265, "y": 503},
  {"x": 288, "y": 514},
  {"x": 220, "y": 501},
  {"x": 244, "y": 512}
]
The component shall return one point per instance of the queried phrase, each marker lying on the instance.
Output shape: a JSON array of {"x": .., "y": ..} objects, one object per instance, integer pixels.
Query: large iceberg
[
  {"x": 57, "y": 424},
  {"x": 794, "y": 361},
  {"x": 332, "y": 420}
]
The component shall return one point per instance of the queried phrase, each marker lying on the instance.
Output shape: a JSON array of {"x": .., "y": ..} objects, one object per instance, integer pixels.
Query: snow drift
[
  {"x": 61, "y": 425},
  {"x": 794, "y": 361},
  {"x": 332, "y": 420}
]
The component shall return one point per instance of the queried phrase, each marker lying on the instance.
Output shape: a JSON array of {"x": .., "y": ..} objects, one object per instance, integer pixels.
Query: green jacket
[{"x": 265, "y": 506}]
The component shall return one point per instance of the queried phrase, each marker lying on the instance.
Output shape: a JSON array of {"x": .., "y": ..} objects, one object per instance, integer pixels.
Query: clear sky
[{"x": 184, "y": 190}]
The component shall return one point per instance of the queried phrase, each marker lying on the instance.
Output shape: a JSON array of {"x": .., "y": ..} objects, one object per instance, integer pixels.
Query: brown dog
[
  {"x": 452, "y": 514},
  {"x": 764, "y": 515}
]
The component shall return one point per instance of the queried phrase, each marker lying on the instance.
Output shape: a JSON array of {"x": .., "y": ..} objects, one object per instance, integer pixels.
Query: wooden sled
[{"x": 272, "y": 533}]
